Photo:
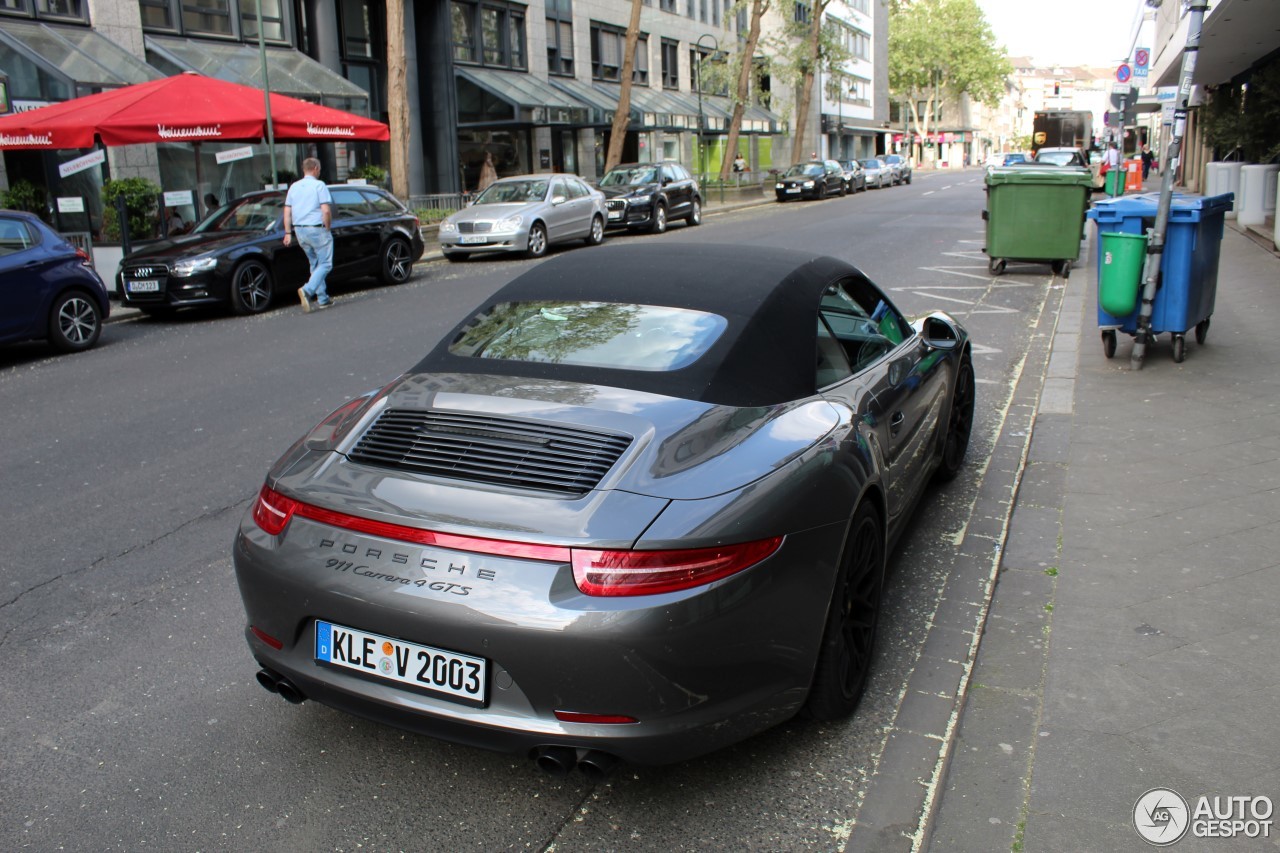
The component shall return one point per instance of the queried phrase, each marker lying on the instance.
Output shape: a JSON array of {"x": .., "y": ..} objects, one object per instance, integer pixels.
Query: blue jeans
[{"x": 317, "y": 244}]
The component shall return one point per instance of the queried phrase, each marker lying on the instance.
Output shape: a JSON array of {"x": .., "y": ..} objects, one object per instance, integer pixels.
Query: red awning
[{"x": 186, "y": 107}]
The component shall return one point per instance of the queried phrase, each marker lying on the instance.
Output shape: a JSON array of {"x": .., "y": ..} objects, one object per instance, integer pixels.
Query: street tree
[
  {"x": 807, "y": 48},
  {"x": 622, "y": 117},
  {"x": 746, "y": 60},
  {"x": 397, "y": 100},
  {"x": 940, "y": 50}
]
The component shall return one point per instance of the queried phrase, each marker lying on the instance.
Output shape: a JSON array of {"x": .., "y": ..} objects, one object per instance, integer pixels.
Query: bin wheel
[
  {"x": 1179, "y": 349},
  {"x": 996, "y": 266},
  {"x": 1109, "y": 343},
  {"x": 1202, "y": 330}
]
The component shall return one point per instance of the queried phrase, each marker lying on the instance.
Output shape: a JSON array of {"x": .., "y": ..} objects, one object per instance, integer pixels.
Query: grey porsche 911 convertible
[{"x": 636, "y": 507}]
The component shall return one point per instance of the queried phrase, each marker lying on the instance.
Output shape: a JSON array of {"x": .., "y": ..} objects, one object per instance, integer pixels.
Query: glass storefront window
[
  {"x": 357, "y": 35},
  {"x": 510, "y": 150}
]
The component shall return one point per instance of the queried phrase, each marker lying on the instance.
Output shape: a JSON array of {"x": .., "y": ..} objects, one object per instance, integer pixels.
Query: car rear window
[{"x": 590, "y": 334}]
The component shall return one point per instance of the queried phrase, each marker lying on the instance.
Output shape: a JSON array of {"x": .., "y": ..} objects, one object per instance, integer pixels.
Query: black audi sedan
[
  {"x": 814, "y": 179},
  {"x": 236, "y": 256},
  {"x": 647, "y": 196}
]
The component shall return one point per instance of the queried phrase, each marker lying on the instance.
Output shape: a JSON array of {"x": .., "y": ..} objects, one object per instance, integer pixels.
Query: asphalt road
[{"x": 131, "y": 719}]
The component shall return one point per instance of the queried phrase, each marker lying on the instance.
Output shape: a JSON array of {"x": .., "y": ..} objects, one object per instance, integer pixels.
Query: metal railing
[{"x": 438, "y": 205}]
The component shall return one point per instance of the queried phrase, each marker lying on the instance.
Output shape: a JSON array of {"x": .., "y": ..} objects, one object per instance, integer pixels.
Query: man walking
[{"x": 308, "y": 212}]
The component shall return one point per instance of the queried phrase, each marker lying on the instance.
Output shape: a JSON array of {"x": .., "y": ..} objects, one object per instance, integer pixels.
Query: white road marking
[
  {"x": 931, "y": 192},
  {"x": 979, "y": 349}
]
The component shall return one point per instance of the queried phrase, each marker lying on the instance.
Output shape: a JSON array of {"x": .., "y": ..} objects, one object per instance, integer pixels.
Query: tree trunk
[
  {"x": 814, "y": 44},
  {"x": 622, "y": 117},
  {"x": 758, "y": 8},
  {"x": 397, "y": 100}
]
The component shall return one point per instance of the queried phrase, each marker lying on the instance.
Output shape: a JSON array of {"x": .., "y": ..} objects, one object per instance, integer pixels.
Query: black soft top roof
[{"x": 769, "y": 298}]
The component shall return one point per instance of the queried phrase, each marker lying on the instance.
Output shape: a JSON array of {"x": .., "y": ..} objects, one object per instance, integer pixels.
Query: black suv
[
  {"x": 649, "y": 195},
  {"x": 236, "y": 256}
]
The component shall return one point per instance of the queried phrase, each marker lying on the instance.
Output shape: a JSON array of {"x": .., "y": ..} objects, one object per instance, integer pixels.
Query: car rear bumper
[{"x": 694, "y": 669}]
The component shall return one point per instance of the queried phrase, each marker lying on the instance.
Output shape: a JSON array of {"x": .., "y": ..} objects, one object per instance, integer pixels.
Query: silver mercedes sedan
[
  {"x": 636, "y": 506},
  {"x": 526, "y": 214}
]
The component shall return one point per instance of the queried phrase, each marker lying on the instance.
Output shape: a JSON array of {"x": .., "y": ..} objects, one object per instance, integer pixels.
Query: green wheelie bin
[{"x": 1036, "y": 214}]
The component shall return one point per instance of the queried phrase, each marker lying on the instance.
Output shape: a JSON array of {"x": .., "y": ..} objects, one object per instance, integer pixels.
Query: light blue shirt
[{"x": 305, "y": 198}]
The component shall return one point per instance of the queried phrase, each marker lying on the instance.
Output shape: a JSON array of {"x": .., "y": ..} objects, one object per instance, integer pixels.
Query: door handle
[{"x": 895, "y": 422}]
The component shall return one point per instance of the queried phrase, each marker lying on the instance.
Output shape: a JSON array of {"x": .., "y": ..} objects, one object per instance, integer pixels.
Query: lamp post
[
  {"x": 715, "y": 48},
  {"x": 266, "y": 97}
]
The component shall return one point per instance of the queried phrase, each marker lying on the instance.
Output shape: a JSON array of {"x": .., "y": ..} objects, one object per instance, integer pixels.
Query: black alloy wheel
[
  {"x": 659, "y": 222},
  {"x": 844, "y": 659},
  {"x": 596, "y": 236},
  {"x": 695, "y": 212},
  {"x": 250, "y": 288},
  {"x": 397, "y": 262},
  {"x": 537, "y": 240},
  {"x": 959, "y": 422},
  {"x": 75, "y": 322}
]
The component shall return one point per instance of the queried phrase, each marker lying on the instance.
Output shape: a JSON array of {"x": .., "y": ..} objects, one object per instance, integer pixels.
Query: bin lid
[
  {"x": 1042, "y": 174},
  {"x": 1148, "y": 204}
]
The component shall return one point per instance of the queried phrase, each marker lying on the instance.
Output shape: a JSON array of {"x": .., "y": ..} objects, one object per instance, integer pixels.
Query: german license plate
[
  {"x": 615, "y": 214},
  {"x": 473, "y": 238},
  {"x": 793, "y": 189},
  {"x": 143, "y": 285},
  {"x": 455, "y": 676}
]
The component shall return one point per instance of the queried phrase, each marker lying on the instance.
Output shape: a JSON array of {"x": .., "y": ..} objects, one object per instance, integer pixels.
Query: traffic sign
[
  {"x": 1119, "y": 92},
  {"x": 1141, "y": 62},
  {"x": 1124, "y": 73}
]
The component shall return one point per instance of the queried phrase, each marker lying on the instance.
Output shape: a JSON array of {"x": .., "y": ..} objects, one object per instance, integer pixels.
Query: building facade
[{"x": 534, "y": 84}]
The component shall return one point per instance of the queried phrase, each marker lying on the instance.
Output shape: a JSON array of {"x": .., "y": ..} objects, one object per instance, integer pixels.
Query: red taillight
[
  {"x": 579, "y": 717},
  {"x": 273, "y": 510},
  {"x": 597, "y": 573},
  {"x": 614, "y": 573},
  {"x": 266, "y": 638},
  {"x": 84, "y": 257}
]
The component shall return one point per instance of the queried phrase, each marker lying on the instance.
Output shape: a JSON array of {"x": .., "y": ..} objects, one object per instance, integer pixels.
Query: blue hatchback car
[{"x": 50, "y": 290}]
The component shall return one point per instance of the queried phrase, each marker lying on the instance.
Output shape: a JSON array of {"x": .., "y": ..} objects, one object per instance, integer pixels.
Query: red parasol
[{"x": 187, "y": 107}]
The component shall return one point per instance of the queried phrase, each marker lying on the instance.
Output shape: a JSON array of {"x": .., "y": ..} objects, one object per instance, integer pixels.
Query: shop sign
[{"x": 79, "y": 164}]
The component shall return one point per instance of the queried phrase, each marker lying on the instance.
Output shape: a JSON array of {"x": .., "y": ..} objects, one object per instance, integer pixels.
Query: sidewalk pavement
[{"x": 1132, "y": 641}]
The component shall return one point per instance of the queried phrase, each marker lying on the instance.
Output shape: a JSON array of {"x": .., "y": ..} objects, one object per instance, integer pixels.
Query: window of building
[
  {"x": 668, "y": 6},
  {"x": 692, "y": 9},
  {"x": 207, "y": 17},
  {"x": 715, "y": 12},
  {"x": 700, "y": 61},
  {"x": 852, "y": 39},
  {"x": 52, "y": 10},
  {"x": 702, "y": 11},
  {"x": 273, "y": 24},
  {"x": 801, "y": 13},
  {"x": 607, "y": 45},
  {"x": 489, "y": 33},
  {"x": 560, "y": 37},
  {"x": 363, "y": 41},
  {"x": 670, "y": 64}
]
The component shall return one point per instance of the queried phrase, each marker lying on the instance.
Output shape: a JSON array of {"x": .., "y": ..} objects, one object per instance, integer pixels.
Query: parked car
[
  {"x": 811, "y": 179},
  {"x": 879, "y": 174},
  {"x": 901, "y": 167},
  {"x": 50, "y": 290},
  {"x": 527, "y": 214},
  {"x": 650, "y": 196},
  {"x": 236, "y": 256},
  {"x": 1072, "y": 157},
  {"x": 636, "y": 506},
  {"x": 1010, "y": 158},
  {"x": 855, "y": 177}
]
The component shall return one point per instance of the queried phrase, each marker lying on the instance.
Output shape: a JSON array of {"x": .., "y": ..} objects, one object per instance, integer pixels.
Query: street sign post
[{"x": 1141, "y": 62}]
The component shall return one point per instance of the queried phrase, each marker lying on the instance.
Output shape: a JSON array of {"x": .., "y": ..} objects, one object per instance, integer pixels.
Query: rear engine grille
[{"x": 493, "y": 450}]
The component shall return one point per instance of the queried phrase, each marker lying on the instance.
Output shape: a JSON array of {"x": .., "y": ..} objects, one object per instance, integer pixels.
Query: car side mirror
[
  {"x": 939, "y": 334},
  {"x": 558, "y": 199}
]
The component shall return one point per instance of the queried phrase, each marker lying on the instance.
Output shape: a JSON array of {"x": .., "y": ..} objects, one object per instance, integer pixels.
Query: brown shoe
[{"x": 305, "y": 300}]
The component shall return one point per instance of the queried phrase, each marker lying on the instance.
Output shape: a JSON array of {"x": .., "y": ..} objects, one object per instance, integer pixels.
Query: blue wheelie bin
[{"x": 1188, "y": 281}]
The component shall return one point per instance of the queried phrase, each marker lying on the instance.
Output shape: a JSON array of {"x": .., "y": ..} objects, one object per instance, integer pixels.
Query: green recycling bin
[
  {"x": 1120, "y": 271},
  {"x": 1036, "y": 213},
  {"x": 1113, "y": 186}
]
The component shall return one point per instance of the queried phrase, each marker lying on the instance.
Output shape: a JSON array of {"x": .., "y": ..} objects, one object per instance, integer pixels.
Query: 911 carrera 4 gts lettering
[
  {"x": 366, "y": 572},
  {"x": 426, "y": 563}
]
